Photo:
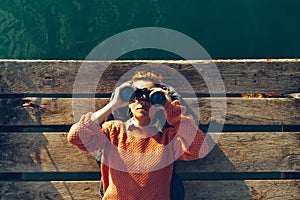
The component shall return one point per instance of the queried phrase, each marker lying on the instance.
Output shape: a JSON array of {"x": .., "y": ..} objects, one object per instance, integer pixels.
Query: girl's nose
[{"x": 143, "y": 98}]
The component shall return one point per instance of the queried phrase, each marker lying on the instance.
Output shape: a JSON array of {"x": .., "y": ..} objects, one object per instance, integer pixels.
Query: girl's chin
[
  {"x": 142, "y": 116},
  {"x": 142, "y": 112}
]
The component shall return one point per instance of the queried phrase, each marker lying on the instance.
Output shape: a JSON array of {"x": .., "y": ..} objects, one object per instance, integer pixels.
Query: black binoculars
[{"x": 129, "y": 93}]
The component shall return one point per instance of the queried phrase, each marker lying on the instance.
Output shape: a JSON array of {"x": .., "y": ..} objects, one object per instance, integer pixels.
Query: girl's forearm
[{"x": 100, "y": 115}]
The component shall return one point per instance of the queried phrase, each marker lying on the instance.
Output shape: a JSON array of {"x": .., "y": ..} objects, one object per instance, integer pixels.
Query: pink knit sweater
[{"x": 135, "y": 167}]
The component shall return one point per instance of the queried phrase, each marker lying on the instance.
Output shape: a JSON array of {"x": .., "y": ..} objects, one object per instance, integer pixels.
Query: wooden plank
[
  {"x": 59, "y": 111},
  {"x": 236, "y": 190},
  {"x": 194, "y": 190},
  {"x": 261, "y": 111},
  {"x": 234, "y": 152},
  {"x": 42, "y": 152},
  {"x": 58, "y": 190},
  {"x": 239, "y": 76},
  {"x": 242, "y": 152}
]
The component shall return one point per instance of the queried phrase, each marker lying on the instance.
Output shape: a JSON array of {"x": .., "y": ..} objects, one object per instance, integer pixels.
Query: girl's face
[{"x": 140, "y": 108}]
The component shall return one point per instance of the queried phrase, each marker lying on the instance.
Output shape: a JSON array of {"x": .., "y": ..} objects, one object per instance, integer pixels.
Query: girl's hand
[
  {"x": 166, "y": 93},
  {"x": 117, "y": 101}
]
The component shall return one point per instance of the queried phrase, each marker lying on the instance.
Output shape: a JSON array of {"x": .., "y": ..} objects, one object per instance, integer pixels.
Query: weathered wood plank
[
  {"x": 239, "y": 76},
  {"x": 58, "y": 190},
  {"x": 194, "y": 190},
  {"x": 236, "y": 190},
  {"x": 255, "y": 151},
  {"x": 234, "y": 152},
  {"x": 59, "y": 111},
  {"x": 42, "y": 152}
]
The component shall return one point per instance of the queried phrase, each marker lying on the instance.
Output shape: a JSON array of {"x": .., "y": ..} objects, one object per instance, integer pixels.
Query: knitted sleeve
[
  {"x": 189, "y": 141},
  {"x": 86, "y": 134}
]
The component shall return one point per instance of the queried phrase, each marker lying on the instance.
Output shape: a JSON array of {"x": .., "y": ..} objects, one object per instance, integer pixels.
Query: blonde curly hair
[{"x": 147, "y": 75}]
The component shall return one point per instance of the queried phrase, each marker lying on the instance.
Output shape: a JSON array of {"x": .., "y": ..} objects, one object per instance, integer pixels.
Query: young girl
[{"x": 138, "y": 155}]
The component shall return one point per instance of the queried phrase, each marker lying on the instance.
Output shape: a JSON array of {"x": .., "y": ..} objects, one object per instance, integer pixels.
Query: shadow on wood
[
  {"x": 18, "y": 150},
  {"x": 211, "y": 186}
]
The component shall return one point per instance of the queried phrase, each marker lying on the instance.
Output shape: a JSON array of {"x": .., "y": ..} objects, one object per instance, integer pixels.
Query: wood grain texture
[
  {"x": 248, "y": 152},
  {"x": 58, "y": 190},
  {"x": 239, "y": 76},
  {"x": 246, "y": 190},
  {"x": 234, "y": 152},
  {"x": 66, "y": 111},
  {"x": 38, "y": 152},
  {"x": 194, "y": 190}
]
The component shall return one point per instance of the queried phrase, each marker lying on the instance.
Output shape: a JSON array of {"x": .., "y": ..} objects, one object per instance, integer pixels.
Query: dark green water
[{"x": 70, "y": 29}]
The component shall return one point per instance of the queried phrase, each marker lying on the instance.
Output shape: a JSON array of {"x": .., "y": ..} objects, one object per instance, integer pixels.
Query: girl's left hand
[{"x": 166, "y": 93}]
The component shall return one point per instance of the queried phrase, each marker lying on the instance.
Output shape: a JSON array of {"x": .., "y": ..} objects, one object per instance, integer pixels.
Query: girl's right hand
[{"x": 117, "y": 101}]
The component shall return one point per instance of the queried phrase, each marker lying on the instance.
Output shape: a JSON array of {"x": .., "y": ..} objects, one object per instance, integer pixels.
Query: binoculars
[{"x": 129, "y": 93}]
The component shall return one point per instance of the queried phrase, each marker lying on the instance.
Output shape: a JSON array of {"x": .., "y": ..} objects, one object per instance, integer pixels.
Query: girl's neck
[
  {"x": 142, "y": 122},
  {"x": 143, "y": 131}
]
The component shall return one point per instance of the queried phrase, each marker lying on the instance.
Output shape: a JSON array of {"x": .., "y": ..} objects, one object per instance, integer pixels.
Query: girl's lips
[{"x": 142, "y": 108}]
